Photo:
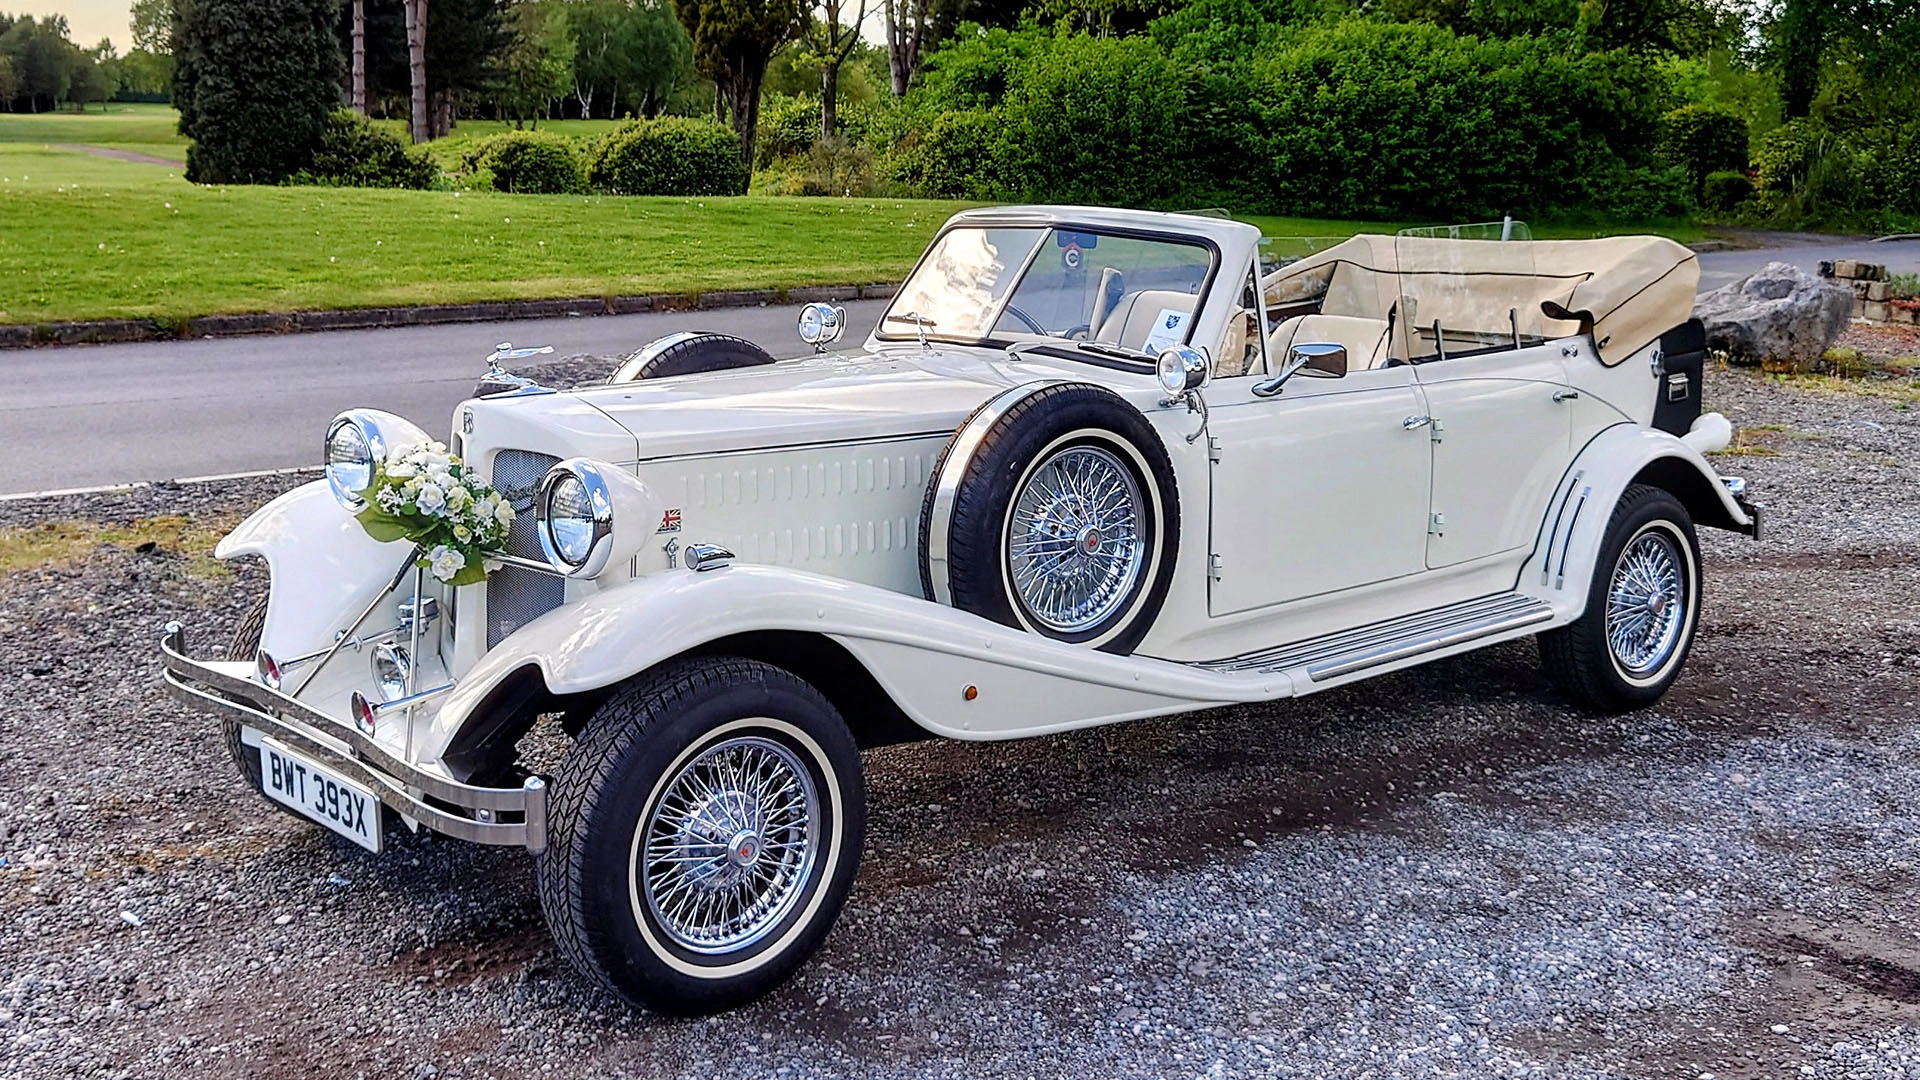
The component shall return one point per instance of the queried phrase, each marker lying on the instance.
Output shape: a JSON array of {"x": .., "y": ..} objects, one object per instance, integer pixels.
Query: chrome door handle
[
  {"x": 1412, "y": 422},
  {"x": 1565, "y": 395}
]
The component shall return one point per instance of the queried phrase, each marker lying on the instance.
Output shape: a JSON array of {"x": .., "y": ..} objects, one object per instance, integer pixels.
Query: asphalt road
[
  {"x": 107, "y": 414},
  {"x": 91, "y": 415}
]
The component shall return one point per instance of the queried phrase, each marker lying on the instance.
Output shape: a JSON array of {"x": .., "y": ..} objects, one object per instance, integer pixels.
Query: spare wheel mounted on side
[
  {"x": 689, "y": 353},
  {"x": 1054, "y": 509}
]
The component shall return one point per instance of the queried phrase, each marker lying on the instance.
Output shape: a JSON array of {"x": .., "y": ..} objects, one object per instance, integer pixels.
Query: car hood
[{"x": 836, "y": 397}]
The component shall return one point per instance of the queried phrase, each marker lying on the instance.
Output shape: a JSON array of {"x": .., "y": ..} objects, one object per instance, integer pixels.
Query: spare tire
[
  {"x": 1054, "y": 509},
  {"x": 689, "y": 353}
]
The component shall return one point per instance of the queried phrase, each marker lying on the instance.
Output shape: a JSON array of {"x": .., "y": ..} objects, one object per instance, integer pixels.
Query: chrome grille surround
[{"x": 515, "y": 596}]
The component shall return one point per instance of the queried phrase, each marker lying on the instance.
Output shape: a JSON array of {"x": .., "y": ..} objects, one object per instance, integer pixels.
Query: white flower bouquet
[{"x": 428, "y": 496}]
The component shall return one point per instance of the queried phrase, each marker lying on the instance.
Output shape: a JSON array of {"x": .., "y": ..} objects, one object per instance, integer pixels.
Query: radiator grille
[{"x": 516, "y": 597}]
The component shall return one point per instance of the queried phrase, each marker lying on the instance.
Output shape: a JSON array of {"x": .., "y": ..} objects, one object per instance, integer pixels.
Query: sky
[{"x": 88, "y": 20}]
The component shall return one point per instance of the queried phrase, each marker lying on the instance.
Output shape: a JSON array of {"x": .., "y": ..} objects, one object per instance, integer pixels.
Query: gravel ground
[{"x": 1442, "y": 872}]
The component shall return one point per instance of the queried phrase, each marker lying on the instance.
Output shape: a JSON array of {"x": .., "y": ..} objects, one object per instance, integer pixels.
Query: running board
[{"x": 1333, "y": 655}]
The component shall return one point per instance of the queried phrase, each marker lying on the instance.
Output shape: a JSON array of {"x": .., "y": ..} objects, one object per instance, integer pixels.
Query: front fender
[
  {"x": 924, "y": 655},
  {"x": 325, "y": 568},
  {"x": 1562, "y": 564}
]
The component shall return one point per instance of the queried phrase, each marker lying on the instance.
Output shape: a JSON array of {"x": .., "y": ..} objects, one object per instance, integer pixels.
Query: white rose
[
  {"x": 458, "y": 496},
  {"x": 444, "y": 562},
  {"x": 462, "y": 533},
  {"x": 431, "y": 500},
  {"x": 503, "y": 513},
  {"x": 400, "y": 470}
]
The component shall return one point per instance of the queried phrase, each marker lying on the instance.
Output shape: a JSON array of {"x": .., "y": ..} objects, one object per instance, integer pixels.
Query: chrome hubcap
[
  {"x": 1646, "y": 609},
  {"x": 729, "y": 844},
  {"x": 1073, "y": 538}
]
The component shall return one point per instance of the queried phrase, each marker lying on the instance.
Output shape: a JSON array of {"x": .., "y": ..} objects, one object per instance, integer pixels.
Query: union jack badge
[{"x": 670, "y": 521}]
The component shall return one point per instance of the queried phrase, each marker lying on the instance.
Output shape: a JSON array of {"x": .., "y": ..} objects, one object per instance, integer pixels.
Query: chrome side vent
[{"x": 516, "y": 597}]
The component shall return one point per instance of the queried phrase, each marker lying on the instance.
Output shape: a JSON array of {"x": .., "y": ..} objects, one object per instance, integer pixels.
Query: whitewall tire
[{"x": 705, "y": 829}]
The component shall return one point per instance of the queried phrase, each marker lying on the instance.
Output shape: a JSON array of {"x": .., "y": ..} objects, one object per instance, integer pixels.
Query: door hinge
[
  {"x": 1214, "y": 564},
  {"x": 1436, "y": 428},
  {"x": 1437, "y": 524},
  {"x": 1213, "y": 449}
]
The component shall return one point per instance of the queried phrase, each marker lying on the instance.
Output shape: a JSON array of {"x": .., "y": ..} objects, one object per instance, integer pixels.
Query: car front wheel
[
  {"x": 706, "y": 827},
  {"x": 1642, "y": 607}
]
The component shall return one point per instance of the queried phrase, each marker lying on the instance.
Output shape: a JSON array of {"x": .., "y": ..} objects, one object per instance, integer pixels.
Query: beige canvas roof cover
[{"x": 1631, "y": 289}]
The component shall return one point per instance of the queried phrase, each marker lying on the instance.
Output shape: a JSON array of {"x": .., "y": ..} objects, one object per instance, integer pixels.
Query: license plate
[{"x": 317, "y": 792}]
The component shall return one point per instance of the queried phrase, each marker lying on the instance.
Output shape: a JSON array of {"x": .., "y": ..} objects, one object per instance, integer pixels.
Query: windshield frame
[{"x": 1051, "y": 226}]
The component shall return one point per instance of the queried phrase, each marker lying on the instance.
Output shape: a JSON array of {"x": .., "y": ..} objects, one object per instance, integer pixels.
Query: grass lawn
[{"x": 88, "y": 237}]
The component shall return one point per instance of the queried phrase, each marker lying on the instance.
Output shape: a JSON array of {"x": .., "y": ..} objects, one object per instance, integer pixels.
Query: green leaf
[
  {"x": 382, "y": 526},
  {"x": 471, "y": 574}
]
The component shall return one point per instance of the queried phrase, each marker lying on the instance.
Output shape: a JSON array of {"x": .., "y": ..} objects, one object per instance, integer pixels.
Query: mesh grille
[{"x": 516, "y": 597}]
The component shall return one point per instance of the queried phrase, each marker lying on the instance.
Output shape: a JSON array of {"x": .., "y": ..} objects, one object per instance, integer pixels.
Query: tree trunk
[
  {"x": 829, "y": 96},
  {"x": 1802, "y": 40},
  {"x": 903, "y": 41},
  {"x": 421, "y": 120},
  {"x": 747, "y": 76},
  {"x": 360, "y": 57}
]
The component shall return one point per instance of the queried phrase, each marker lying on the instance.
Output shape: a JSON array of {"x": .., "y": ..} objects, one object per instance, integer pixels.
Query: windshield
[{"x": 1037, "y": 283}]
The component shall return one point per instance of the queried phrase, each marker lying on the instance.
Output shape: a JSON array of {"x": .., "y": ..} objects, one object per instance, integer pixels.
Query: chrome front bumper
[{"x": 508, "y": 816}]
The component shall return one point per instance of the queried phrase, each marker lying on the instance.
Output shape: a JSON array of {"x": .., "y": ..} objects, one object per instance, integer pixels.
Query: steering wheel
[{"x": 1032, "y": 323}]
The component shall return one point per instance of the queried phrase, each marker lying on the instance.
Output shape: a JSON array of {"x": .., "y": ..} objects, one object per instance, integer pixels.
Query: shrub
[
  {"x": 354, "y": 153},
  {"x": 955, "y": 159},
  {"x": 671, "y": 155},
  {"x": 531, "y": 163},
  {"x": 1726, "y": 191},
  {"x": 1702, "y": 140},
  {"x": 835, "y": 166},
  {"x": 254, "y": 81}
]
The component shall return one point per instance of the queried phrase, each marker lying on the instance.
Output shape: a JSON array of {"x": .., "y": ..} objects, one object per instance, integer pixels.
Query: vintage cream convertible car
[{"x": 1093, "y": 465}]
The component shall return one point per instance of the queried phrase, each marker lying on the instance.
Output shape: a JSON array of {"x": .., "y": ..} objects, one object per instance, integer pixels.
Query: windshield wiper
[
  {"x": 921, "y": 324},
  {"x": 1119, "y": 352}
]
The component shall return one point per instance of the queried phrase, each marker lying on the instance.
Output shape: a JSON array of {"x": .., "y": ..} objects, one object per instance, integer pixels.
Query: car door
[
  {"x": 1320, "y": 488},
  {"x": 1501, "y": 427}
]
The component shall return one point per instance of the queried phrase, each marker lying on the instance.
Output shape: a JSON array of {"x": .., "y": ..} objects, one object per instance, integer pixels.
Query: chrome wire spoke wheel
[
  {"x": 1646, "y": 603},
  {"x": 1074, "y": 544},
  {"x": 729, "y": 844}
]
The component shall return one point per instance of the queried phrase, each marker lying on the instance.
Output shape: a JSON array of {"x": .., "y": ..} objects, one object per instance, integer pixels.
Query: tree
[
  {"x": 626, "y": 54},
  {"x": 830, "y": 41},
  {"x": 538, "y": 64},
  {"x": 732, "y": 42},
  {"x": 152, "y": 24},
  {"x": 416, "y": 13},
  {"x": 357, "y": 33},
  {"x": 147, "y": 69},
  {"x": 43, "y": 59},
  {"x": 95, "y": 75},
  {"x": 906, "y": 25},
  {"x": 9, "y": 84},
  {"x": 254, "y": 81}
]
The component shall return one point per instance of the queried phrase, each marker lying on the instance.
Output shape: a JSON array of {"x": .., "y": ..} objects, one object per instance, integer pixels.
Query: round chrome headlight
[
  {"x": 349, "y": 462},
  {"x": 390, "y": 664},
  {"x": 1180, "y": 369},
  {"x": 357, "y": 442},
  {"x": 574, "y": 513},
  {"x": 821, "y": 324}
]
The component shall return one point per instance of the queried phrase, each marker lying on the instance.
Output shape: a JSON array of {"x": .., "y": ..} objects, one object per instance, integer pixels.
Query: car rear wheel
[
  {"x": 1642, "y": 608},
  {"x": 705, "y": 829},
  {"x": 1054, "y": 509}
]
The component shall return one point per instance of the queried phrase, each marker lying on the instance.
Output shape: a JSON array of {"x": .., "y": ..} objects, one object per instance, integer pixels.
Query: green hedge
[
  {"x": 354, "y": 153},
  {"x": 1348, "y": 118},
  {"x": 671, "y": 155},
  {"x": 531, "y": 163},
  {"x": 1702, "y": 140}
]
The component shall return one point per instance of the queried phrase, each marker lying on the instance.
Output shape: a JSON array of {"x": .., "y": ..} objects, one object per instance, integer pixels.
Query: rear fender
[
  {"x": 1562, "y": 564},
  {"x": 923, "y": 655},
  {"x": 325, "y": 568}
]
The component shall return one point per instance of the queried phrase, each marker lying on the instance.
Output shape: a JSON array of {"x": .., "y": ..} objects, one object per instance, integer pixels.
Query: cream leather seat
[
  {"x": 1364, "y": 339},
  {"x": 1132, "y": 319}
]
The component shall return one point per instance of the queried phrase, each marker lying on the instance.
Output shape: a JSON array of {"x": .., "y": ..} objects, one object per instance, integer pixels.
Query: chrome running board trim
[{"x": 1345, "y": 652}]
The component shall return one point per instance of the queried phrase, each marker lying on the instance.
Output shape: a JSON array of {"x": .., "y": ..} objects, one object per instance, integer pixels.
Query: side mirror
[
  {"x": 1318, "y": 358},
  {"x": 820, "y": 325}
]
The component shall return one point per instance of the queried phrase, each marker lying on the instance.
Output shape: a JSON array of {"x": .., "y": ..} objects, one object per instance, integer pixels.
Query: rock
[{"x": 1781, "y": 313}]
